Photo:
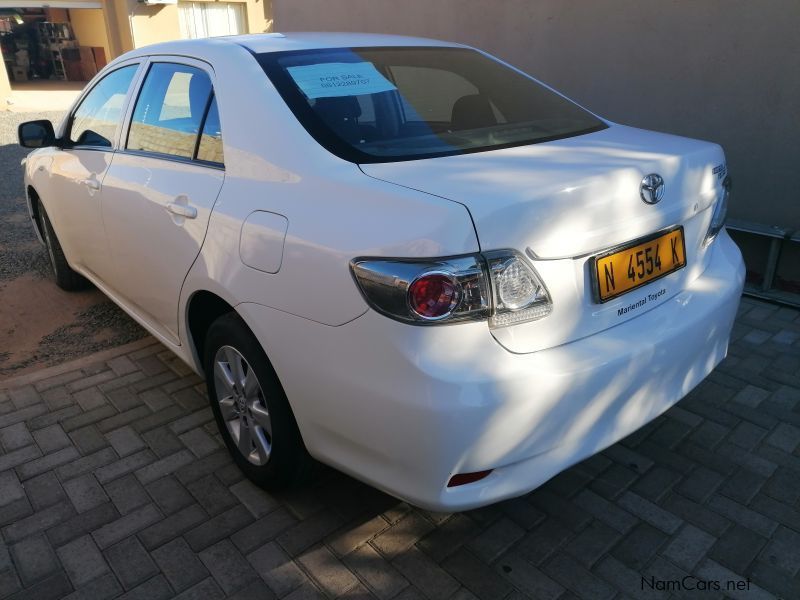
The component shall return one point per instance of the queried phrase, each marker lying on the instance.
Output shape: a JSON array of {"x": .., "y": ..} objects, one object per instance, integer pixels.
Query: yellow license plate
[{"x": 624, "y": 269}]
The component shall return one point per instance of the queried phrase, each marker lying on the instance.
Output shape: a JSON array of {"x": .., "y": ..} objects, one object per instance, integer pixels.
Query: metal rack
[
  {"x": 56, "y": 37},
  {"x": 778, "y": 238}
]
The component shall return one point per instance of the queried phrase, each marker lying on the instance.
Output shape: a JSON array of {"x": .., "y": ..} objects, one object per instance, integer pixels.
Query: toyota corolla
[{"x": 400, "y": 257}]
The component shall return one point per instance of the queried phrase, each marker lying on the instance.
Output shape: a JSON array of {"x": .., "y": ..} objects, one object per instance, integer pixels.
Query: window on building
[
  {"x": 169, "y": 111},
  {"x": 95, "y": 121},
  {"x": 210, "y": 19}
]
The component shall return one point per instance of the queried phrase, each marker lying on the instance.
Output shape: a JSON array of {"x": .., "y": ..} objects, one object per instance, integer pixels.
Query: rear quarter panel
[{"x": 334, "y": 212}]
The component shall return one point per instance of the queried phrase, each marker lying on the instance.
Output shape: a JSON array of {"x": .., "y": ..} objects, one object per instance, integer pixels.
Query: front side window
[
  {"x": 388, "y": 104},
  {"x": 95, "y": 121},
  {"x": 169, "y": 111}
]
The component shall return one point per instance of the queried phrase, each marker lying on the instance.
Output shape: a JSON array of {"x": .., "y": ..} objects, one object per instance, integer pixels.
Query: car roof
[{"x": 276, "y": 42}]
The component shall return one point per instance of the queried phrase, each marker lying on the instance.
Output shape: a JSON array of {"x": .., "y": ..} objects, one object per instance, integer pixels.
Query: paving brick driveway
[{"x": 113, "y": 482}]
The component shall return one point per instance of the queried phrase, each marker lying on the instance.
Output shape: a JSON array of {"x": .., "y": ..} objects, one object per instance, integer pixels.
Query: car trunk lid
[{"x": 564, "y": 201}]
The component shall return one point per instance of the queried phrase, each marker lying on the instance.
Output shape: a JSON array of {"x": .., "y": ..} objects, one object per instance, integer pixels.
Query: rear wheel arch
[
  {"x": 203, "y": 308},
  {"x": 33, "y": 202}
]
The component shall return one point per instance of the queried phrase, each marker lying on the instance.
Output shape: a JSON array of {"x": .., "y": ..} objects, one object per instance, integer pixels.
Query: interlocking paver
[
  {"x": 125, "y": 440},
  {"x": 127, "y": 494},
  {"x": 51, "y": 438},
  {"x": 211, "y": 494},
  {"x": 689, "y": 546},
  {"x": 255, "y": 499},
  {"x": 228, "y": 567},
  {"x": 78, "y": 525},
  {"x": 47, "y": 462},
  {"x": 169, "y": 494},
  {"x": 381, "y": 578},
  {"x": 279, "y": 571},
  {"x": 199, "y": 442},
  {"x": 126, "y": 525},
  {"x": 39, "y": 521},
  {"x": 179, "y": 564},
  {"x": 639, "y": 546},
  {"x": 218, "y": 528},
  {"x": 173, "y": 526},
  {"x": 15, "y": 436},
  {"x": 82, "y": 560},
  {"x": 783, "y": 550},
  {"x": 162, "y": 441},
  {"x": 476, "y": 575},
  {"x": 124, "y": 466},
  {"x": 264, "y": 530},
  {"x": 114, "y": 483},
  {"x": 156, "y": 588},
  {"x": 34, "y": 559},
  {"x": 44, "y": 490},
  {"x": 130, "y": 562},
  {"x": 10, "y": 488},
  {"x": 104, "y": 587},
  {"x": 425, "y": 574},
  {"x": 737, "y": 548}
]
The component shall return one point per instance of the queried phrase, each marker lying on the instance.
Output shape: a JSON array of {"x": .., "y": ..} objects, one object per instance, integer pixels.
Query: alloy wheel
[{"x": 243, "y": 406}]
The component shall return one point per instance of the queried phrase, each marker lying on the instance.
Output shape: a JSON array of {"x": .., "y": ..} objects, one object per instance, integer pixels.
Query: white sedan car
[{"x": 401, "y": 257}]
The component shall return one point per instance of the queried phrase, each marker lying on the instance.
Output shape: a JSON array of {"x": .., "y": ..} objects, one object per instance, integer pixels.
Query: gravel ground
[{"x": 75, "y": 323}]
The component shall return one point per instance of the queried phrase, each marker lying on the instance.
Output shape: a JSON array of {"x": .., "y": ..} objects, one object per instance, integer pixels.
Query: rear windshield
[{"x": 371, "y": 105}]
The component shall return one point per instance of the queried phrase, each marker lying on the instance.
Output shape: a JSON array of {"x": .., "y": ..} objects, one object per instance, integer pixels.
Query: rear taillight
[
  {"x": 720, "y": 212},
  {"x": 426, "y": 291},
  {"x": 433, "y": 296},
  {"x": 500, "y": 286},
  {"x": 519, "y": 294}
]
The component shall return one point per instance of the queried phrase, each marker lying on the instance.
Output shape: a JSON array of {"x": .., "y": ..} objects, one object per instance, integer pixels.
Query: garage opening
[{"x": 51, "y": 48}]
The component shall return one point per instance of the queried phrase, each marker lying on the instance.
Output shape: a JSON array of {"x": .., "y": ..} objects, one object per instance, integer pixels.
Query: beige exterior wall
[
  {"x": 5, "y": 87},
  {"x": 723, "y": 70},
  {"x": 154, "y": 24}
]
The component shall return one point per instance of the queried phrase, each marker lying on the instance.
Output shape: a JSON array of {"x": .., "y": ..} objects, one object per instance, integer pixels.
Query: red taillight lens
[
  {"x": 465, "y": 478},
  {"x": 434, "y": 295}
]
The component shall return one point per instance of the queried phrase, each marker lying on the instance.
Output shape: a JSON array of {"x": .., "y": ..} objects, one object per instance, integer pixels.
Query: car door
[
  {"x": 161, "y": 187},
  {"x": 79, "y": 167}
]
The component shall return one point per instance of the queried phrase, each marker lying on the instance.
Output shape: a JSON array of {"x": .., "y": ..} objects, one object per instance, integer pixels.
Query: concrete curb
[{"x": 78, "y": 363}]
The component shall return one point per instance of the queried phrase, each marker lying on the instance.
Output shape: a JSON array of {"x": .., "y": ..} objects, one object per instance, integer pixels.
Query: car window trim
[
  {"x": 202, "y": 127},
  {"x": 67, "y": 143},
  {"x": 169, "y": 59}
]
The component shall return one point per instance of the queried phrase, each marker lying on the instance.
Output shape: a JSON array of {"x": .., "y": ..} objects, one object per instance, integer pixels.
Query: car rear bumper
[{"x": 404, "y": 408}]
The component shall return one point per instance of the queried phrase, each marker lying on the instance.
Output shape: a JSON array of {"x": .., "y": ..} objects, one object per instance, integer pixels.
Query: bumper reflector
[{"x": 465, "y": 478}]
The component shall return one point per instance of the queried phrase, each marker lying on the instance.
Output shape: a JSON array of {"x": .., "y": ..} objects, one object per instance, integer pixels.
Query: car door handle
[
  {"x": 92, "y": 184},
  {"x": 182, "y": 210}
]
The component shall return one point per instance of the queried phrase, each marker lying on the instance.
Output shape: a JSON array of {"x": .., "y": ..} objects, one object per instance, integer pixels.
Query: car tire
[
  {"x": 253, "y": 415},
  {"x": 66, "y": 278}
]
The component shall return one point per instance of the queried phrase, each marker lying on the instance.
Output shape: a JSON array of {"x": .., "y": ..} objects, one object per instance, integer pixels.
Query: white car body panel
[
  {"x": 406, "y": 407},
  {"x": 566, "y": 200},
  {"x": 136, "y": 193}
]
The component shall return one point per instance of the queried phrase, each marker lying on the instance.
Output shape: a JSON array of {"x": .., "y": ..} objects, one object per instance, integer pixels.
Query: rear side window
[
  {"x": 210, "y": 147},
  {"x": 95, "y": 121},
  {"x": 170, "y": 110}
]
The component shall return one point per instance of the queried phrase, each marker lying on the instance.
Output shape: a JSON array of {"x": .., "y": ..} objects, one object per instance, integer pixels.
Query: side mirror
[{"x": 36, "y": 134}]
